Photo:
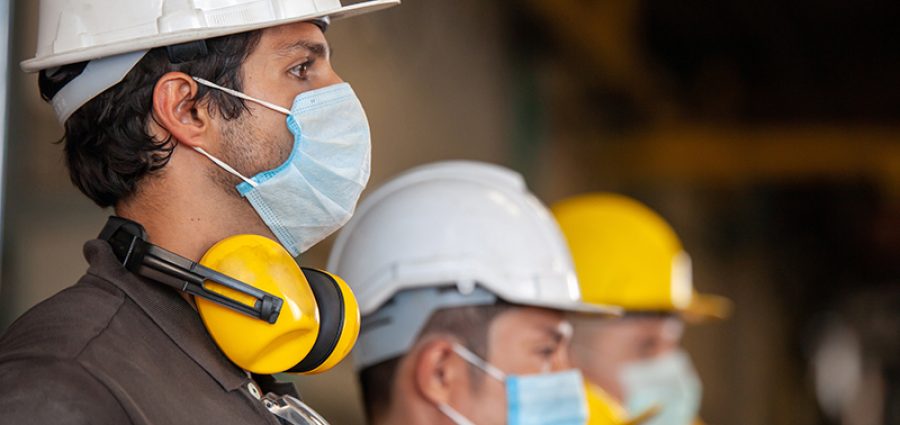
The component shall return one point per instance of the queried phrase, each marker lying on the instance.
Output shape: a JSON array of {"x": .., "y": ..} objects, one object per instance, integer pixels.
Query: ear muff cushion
[{"x": 331, "y": 319}]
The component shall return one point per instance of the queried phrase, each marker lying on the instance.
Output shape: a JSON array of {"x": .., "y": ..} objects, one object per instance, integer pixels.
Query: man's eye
[
  {"x": 547, "y": 351},
  {"x": 301, "y": 71},
  {"x": 647, "y": 348}
]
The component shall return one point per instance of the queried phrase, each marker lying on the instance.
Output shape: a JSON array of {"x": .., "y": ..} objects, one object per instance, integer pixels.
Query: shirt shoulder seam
[
  {"x": 101, "y": 331},
  {"x": 76, "y": 359},
  {"x": 103, "y": 384}
]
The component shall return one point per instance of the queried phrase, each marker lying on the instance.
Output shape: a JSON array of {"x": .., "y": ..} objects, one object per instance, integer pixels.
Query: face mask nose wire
[{"x": 240, "y": 95}]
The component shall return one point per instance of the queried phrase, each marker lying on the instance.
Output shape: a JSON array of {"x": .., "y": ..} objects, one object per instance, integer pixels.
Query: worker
[
  {"x": 462, "y": 277},
  {"x": 212, "y": 130},
  {"x": 627, "y": 255}
]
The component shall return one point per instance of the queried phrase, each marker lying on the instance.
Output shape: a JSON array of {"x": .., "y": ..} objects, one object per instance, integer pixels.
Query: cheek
[
  {"x": 489, "y": 403},
  {"x": 281, "y": 145},
  {"x": 260, "y": 145},
  {"x": 273, "y": 139}
]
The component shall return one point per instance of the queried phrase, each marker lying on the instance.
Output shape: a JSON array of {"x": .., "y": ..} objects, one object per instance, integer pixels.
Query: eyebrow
[
  {"x": 554, "y": 333},
  {"x": 320, "y": 50}
]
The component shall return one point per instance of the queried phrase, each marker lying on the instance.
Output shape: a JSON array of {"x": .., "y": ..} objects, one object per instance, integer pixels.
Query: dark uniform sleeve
[{"x": 54, "y": 391}]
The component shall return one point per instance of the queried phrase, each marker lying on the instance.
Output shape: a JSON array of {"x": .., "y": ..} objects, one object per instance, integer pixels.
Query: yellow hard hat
[
  {"x": 319, "y": 319},
  {"x": 627, "y": 255}
]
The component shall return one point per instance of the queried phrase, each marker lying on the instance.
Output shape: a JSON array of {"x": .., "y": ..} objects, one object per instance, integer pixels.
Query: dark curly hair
[{"x": 108, "y": 149}]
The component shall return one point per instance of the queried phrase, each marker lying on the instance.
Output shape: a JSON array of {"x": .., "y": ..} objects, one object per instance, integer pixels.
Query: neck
[
  {"x": 407, "y": 405},
  {"x": 411, "y": 413},
  {"x": 185, "y": 212}
]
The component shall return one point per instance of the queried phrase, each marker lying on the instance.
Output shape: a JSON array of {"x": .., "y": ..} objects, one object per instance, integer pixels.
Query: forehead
[
  {"x": 288, "y": 36},
  {"x": 633, "y": 328},
  {"x": 524, "y": 324}
]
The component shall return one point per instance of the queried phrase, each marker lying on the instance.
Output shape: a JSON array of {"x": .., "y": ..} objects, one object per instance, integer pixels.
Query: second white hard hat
[{"x": 469, "y": 227}]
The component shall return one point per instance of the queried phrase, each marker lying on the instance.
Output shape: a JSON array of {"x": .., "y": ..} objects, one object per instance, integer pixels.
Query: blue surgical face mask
[
  {"x": 669, "y": 383},
  {"x": 542, "y": 398},
  {"x": 314, "y": 192}
]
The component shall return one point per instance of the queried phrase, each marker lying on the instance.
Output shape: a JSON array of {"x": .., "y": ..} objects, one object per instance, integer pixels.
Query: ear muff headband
[
  {"x": 332, "y": 307},
  {"x": 129, "y": 243}
]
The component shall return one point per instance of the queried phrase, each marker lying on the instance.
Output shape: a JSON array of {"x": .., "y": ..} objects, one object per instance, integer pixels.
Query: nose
[
  {"x": 561, "y": 360},
  {"x": 324, "y": 78},
  {"x": 333, "y": 76},
  {"x": 330, "y": 77}
]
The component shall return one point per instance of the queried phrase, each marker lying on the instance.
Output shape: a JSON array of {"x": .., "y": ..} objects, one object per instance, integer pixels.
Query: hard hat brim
[
  {"x": 53, "y": 60},
  {"x": 702, "y": 308},
  {"x": 707, "y": 307},
  {"x": 574, "y": 307}
]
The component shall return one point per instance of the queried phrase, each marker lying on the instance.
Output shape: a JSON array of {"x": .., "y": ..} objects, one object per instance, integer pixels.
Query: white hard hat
[
  {"x": 449, "y": 234},
  {"x": 72, "y": 31},
  {"x": 115, "y": 34}
]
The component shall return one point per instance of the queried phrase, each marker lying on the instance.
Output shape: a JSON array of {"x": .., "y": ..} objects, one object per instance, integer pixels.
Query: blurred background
[{"x": 767, "y": 132}]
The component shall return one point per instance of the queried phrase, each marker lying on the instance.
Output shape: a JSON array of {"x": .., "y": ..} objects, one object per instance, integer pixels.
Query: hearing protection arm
[{"x": 129, "y": 243}]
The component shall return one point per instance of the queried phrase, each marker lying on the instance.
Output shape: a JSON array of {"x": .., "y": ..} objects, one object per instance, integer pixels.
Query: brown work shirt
[{"x": 118, "y": 349}]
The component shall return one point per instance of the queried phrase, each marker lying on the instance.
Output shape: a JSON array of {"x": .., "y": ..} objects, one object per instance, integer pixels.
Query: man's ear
[
  {"x": 438, "y": 371},
  {"x": 177, "y": 111}
]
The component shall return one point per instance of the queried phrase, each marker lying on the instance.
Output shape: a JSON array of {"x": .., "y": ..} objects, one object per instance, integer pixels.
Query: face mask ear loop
[
  {"x": 454, "y": 416},
  {"x": 240, "y": 95},
  {"x": 478, "y": 362},
  {"x": 225, "y": 166}
]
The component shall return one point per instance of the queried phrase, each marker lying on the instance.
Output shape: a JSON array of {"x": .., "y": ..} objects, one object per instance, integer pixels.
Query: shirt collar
[{"x": 169, "y": 311}]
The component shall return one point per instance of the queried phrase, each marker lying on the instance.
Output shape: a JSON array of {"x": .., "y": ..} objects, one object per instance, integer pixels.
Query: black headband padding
[
  {"x": 51, "y": 81},
  {"x": 186, "y": 52},
  {"x": 330, "y": 301}
]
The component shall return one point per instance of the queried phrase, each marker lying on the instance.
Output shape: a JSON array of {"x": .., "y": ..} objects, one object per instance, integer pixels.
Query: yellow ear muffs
[
  {"x": 319, "y": 318},
  {"x": 338, "y": 322}
]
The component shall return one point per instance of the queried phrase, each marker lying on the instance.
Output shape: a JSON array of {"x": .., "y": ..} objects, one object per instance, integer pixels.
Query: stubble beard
[{"x": 250, "y": 150}]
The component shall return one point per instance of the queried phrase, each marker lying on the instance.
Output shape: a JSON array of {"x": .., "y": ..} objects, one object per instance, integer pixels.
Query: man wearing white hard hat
[
  {"x": 463, "y": 279},
  {"x": 197, "y": 122}
]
